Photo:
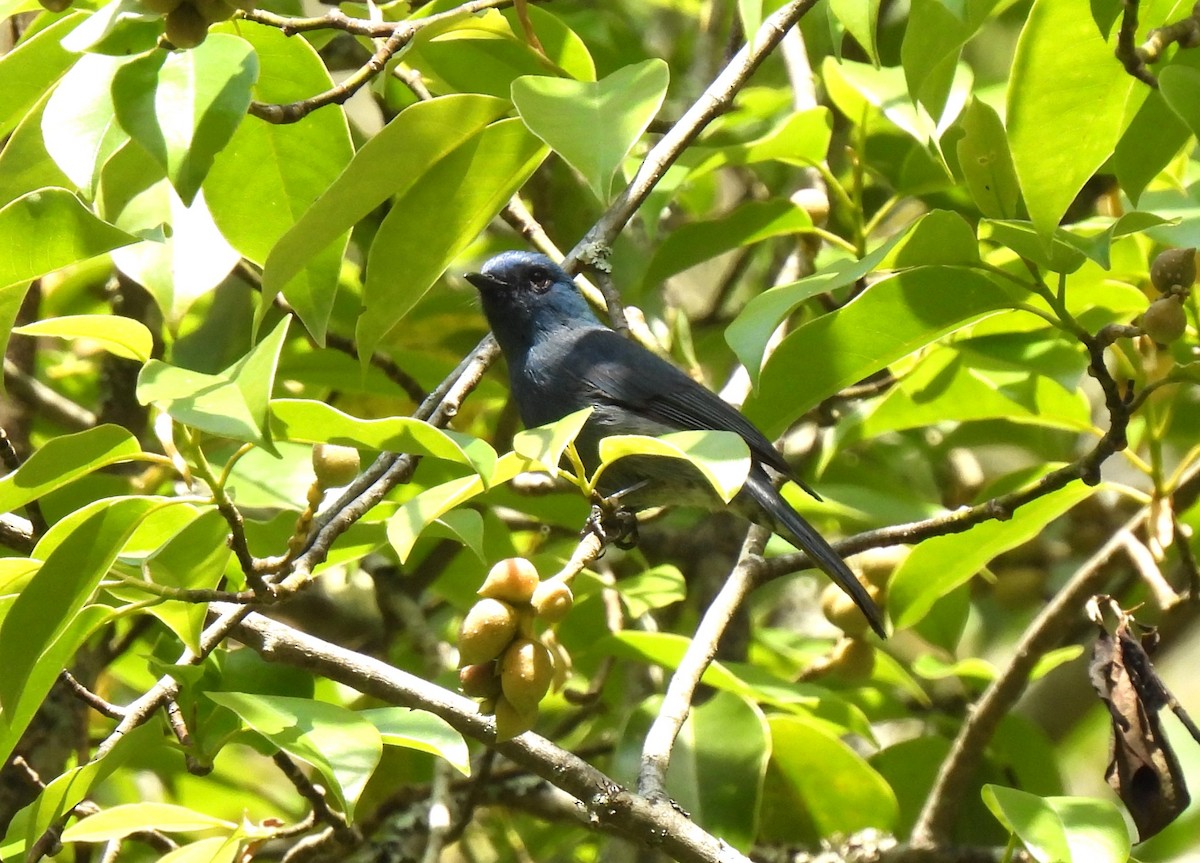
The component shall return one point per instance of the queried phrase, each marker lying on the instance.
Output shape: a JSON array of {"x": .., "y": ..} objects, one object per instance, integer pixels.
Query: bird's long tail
[{"x": 789, "y": 524}]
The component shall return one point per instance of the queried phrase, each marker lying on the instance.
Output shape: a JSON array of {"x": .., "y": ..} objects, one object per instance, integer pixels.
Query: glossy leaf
[
  {"x": 801, "y": 139},
  {"x": 414, "y": 515},
  {"x": 721, "y": 456},
  {"x": 339, "y": 743},
  {"x": 117, "y": 822},
  {"x": 717, "y": 767},
  {"x": 986, "y": 162},
  {"x": 666, "y": 649},
  {"x": 1154, "y": 137},
  {"x": 423, "y": 731},
  {"x": 261, "y": 183},
  {"x": 745, "y": 225},
  {"x": 888, "y": 321},
  {"x": 1179, "y": 85},
  {"x": 545, "y": 445},
  {"x": 655, "y": 588},
  {"x": 68, "y": 576},
  {"x": 933, "y": 39},
  {"x": 195, "y": 557},
  {"x": 230, "y": 404},
  {"x": 940, "y": 564},
  {"x": 79, "y": 123},
  {"x": 390, "y": 163},
  {"x": 861, "y": 19},
  {"x": 28, "y": 69},
  {"x": 593, "y": 125},
  {"x": 121, "y": 336},
  {"x": 805, "y": 755},
  {"x": 1061, "y": 829},
  {"x": 317, "y": 422},
  {"x": 64, "y": 459},
  {"x": 403, "y": 263},
  {"x": 47, "y": 230},
  {"x": 183, "y": 106},
  {"x": 1057, "y": 143},
  {"x": 215, "y": 849},
  {"x": 25, "y": 164}
]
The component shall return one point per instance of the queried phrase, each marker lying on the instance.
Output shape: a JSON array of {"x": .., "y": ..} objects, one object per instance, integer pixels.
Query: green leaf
[
  {"x": 749, "y": 334},
  {"x": 721, "y": 456},
  {"x": 25, "y": 164},
  {"x": 986, "y": 162},
  {"x": 485, "y": 172},
  {"x": 47, "y": 230},
  {"x": 1153, "y": 139},
  {"x": 269, "y": 174},
  {"x": 316, "y": 422},
  {"x": 888, "y": 321},
  {"x": 593, "y": 125},
  {"x": 414, "y": 515},
  {"x": 1054, "y": 658},
  {"x": 67, "y": 790},
  {"x": 177, "y": 269},
  {"x": 338, "y": 742},
  {"x": 29, "y": 69},
  {"x": 1061, "y": 829},
  {"x": 655, "y": 588},
  {"x": 183, "y": 106},
  {"x": 423, "y": 731},
  {"x": 119, "y": 821},
  {"x": 801, "y": 138},
  {"x": 1058, "y": 255},
  {"x": 215, "y": 849},
  {"x": 121, "y": 28},
  {"x": 1179, "y": 85},
  {"x": 1066, "y": 109},
  {"x": 79, "y": 123},
  {"x": 749, "y": 223},
  {"x": 940, "y": 564},
  {"x": 84, "y": 545},
  {"x": 717, "y": 767},
  {"x": 62, "y": 460},
  {"x": 195, "y": 557},
  {"x": 121, "y": 336},
  {"x": 666, "y": 649},
  {"x": 231, "y": 404},
  {"x": 545, "y": 445},
  {"x": 805, "y": 755},
  {"x": 464, "y": 526},
  {"x": 390, "y": 163},
  {"x": 933, "y": 39},
  {"x": 861, "y": 19},
  {"x": 939, "y": 237}
]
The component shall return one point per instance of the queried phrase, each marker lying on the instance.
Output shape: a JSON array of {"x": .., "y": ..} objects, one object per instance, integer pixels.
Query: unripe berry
[
  {"x": 1165, "y": 321},
  {"x": 852, "y": 659},
  {"x": 510, "y": 721},
  {"x": 840, "y": 610},
  {"x": 334, "y": 465},
  {"x": 1173, "y": 267},
  {"x": 513, "y": 580},
  {"x": 214, "y": 10},
  {"x": 55, "y": 5},
  {"x": 480, "y": 681},
  {"x": 486, "y": 630},
  {"x": 552, "y": 600},
  {"x": 186, "y": 28},
  {"x": 526, "y": 671}
]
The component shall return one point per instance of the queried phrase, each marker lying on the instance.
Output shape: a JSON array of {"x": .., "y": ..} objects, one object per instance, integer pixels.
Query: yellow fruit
[
  {"x": 479, "y": 681},
  {"x": 840, "y": 610},
  {"x": 186, "y": 28},
  {"x": 510, "y": 721},
  {"x": 552, "y": 600},
  {"x": 1165, "y": 321},
  {"x": 487, "y": 629},
  {"x": 852, "y": 659},
  {"x": 161, "y": 7},
  {"x": 526, "y": 671},
  {"x": 334, "y": 465},
  {"x": 1173, "y": 267},
  {"x": 513, "y": 580}
]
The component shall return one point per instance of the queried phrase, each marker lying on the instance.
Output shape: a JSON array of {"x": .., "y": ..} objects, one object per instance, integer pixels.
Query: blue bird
[{"x": 561, "y": 359}]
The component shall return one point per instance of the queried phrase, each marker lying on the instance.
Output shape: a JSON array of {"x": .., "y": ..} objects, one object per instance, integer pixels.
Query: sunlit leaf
[
  {"x": 420, "y": 730},
  {"x": 721, "y": 456},
  {"x": 121, "y": 336}
]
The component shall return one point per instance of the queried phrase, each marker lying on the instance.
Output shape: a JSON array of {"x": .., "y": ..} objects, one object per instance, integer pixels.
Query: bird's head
[{"x": 525, "y": 294}]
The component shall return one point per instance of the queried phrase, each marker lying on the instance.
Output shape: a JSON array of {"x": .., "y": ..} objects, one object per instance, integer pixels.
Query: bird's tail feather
[{"x": 792, "y": 526}]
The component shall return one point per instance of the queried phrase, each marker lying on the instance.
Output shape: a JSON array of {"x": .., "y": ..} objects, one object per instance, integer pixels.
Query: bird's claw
[{"x": 612, "y": 523}]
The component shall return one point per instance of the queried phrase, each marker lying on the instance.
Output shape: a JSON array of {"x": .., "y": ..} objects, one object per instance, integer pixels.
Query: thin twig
[
  {"x": 55, "y": 407},
  {"x": 315, "y": 796},
  {"x": 677, "y": 703},
  {"x": 90, "y": 698}
]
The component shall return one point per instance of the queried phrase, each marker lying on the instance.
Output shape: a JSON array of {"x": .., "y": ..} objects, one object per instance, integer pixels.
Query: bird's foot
[{"x": 612, "y": 523}]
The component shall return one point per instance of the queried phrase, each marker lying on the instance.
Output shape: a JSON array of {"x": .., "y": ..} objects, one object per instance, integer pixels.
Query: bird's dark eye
[{"x": 540, "y": 279}]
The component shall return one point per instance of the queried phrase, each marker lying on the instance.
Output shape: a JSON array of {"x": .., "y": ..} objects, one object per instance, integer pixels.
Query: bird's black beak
[{"x": 484, "y": 282}]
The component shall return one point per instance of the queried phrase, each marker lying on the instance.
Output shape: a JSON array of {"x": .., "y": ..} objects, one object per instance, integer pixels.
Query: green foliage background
[{"x": 915, "y": 243}]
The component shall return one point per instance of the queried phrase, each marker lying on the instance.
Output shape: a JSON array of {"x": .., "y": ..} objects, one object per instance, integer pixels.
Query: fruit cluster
[
  {"x": 1173, "y": 272},
  {"x": 188, "y": 20},
  {"x": 854, "y": 657},
  {"x": 501, "y": 659}
]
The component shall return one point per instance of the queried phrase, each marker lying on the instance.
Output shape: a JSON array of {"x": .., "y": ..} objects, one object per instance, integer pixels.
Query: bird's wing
[{"x": 624, "y": 373}]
